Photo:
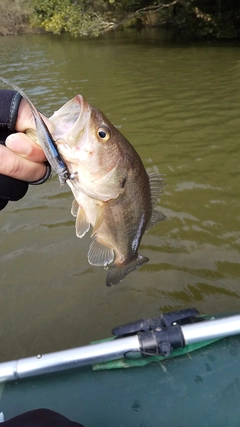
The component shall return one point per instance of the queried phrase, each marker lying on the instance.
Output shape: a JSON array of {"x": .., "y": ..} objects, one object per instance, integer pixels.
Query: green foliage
[
  {"x": 191, "y": 18},
  {"x": 58, "y": 16},
  {"x": 190, "y": 21},
  {"x": 203, "y": 18}
]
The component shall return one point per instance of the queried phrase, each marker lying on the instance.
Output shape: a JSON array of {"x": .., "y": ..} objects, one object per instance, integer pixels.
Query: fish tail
[{"x": 118, "y": 272}]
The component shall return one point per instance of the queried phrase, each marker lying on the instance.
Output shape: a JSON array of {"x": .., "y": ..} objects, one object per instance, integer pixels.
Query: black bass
[{"x": 113, "y": 192}]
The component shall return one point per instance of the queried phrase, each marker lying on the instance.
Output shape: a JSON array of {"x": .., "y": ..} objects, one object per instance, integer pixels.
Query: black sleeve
[
  {"x": 9, "y": 104},
  {"x": 10, "y": 188},
  {"x": 41, "y": 418}
]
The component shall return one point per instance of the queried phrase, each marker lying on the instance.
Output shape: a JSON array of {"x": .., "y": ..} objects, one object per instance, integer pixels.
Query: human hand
[{"x": 22, "y": 158}]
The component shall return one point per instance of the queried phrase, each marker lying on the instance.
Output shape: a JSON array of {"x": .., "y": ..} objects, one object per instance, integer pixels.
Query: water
[{"x": 179, "y": 106}]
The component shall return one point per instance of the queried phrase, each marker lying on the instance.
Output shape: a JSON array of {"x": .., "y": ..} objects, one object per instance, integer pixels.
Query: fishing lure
[{"x": 46, "y": 140}]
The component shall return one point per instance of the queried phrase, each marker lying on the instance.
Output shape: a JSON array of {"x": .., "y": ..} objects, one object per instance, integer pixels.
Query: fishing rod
[{"x": 143, "y": 338}]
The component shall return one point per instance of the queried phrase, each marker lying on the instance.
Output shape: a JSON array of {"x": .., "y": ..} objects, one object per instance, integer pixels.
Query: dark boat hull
[{"x": 198, "y": 389}]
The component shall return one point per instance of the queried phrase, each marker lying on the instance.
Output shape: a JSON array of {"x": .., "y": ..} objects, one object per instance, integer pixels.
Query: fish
[{"x": 114, "y": 196}]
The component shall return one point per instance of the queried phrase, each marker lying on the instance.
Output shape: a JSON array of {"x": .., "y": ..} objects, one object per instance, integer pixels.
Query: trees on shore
[{"x": 190, "y": 18}]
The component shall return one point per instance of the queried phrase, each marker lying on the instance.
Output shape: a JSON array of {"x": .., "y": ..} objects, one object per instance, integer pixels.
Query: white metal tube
[
  {"x": 211, "y": 329},
  {"x": 67, "y": 359},
  {"x": 111, "y": 350}
]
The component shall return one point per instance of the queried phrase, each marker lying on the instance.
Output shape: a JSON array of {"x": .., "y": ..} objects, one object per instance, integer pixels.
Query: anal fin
[{"x": 99, "y": 254}]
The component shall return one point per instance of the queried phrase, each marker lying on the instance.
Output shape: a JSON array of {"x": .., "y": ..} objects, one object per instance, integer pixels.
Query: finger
[
  {"x": 19, "y": 167},
  {"x": 25, "y": 119},
  {"x": 21, "y": 144}
]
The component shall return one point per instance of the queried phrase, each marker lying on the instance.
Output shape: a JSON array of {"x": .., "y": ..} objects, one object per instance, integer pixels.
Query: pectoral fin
[
  {"x": 99, "y": 254},
  {"x": 118, "y": 272}
]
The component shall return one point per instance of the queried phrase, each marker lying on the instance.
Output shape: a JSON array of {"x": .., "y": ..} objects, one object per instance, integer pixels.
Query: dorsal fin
[
  {"x": 155, "y": 218},
  {"x": 157, "y": 184}
]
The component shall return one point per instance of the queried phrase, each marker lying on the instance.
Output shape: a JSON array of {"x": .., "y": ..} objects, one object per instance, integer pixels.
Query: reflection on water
[{"x": 179, "y": 106}]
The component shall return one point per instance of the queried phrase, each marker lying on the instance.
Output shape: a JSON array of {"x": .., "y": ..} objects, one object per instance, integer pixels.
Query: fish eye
[{"x": 104, "y": 134}]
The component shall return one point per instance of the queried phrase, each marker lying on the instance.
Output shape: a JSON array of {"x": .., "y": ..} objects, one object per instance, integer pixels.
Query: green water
[{"x": 179, "y": 107}]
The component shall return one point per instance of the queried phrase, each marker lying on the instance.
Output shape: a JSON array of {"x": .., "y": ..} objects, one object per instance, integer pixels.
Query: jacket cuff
[{"x": 9, "y": 104}]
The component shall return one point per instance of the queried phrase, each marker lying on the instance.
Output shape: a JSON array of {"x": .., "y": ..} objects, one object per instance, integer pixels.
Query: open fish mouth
[{"x": 71, "y": 120}]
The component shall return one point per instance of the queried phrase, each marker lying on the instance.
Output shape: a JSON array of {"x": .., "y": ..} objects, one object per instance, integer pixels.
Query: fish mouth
[
  {"x": 84, "y": 111},
  {"x": 70, "y": 120}
]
